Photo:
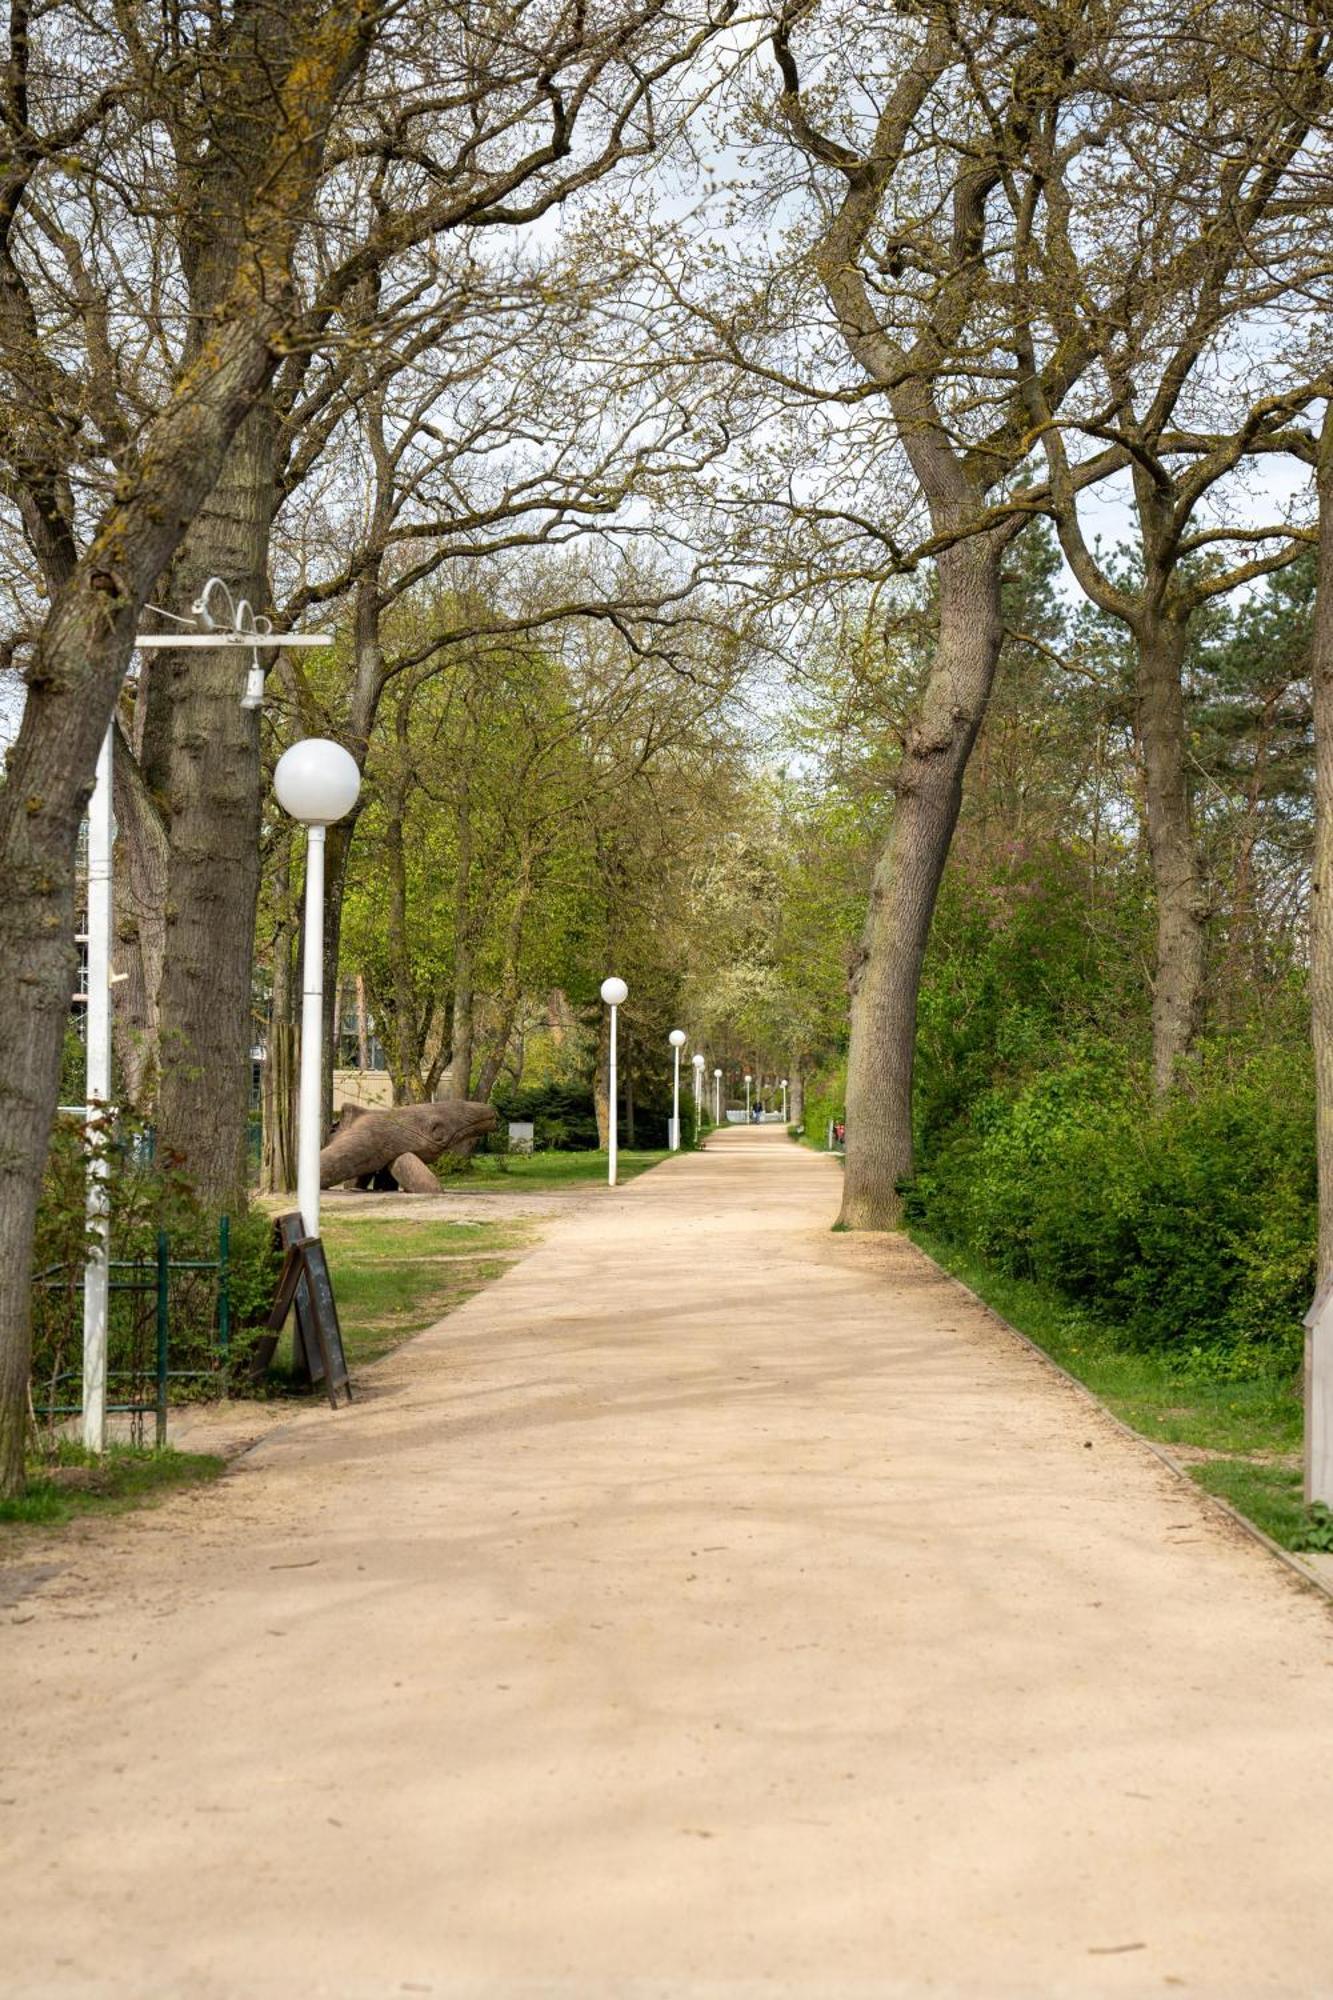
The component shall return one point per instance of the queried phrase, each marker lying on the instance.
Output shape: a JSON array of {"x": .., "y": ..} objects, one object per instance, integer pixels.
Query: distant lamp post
[
  {"x": 748, "y": 1081},
  {"x": 717, "y": 1097},
  {"x": 615, "y": 993},
  {"x": 698, "y": 1094},
  {"x": 677, "y": 1040},
  {"x": 784, "y": 1100},
  {"x": 316, "y": 782}
]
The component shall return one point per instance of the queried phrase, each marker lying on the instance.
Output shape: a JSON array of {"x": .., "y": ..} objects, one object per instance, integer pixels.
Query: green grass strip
[{"x": 77, "y": 1482}]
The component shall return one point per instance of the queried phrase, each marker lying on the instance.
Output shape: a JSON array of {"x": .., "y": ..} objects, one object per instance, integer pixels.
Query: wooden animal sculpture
[{"x": 395, "y": 1147}]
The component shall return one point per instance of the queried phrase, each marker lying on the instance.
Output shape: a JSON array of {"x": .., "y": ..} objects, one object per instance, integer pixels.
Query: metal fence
[{"x": 168, "y": 1338}]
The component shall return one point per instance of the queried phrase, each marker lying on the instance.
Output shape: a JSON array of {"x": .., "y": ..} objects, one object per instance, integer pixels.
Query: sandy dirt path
[{"x": 715, "y": 1607}]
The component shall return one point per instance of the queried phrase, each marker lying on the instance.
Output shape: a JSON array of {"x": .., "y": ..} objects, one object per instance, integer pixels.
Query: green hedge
[
  {"x": 825, "y": 1098},
  {"x": 1189, "y": 1225}
]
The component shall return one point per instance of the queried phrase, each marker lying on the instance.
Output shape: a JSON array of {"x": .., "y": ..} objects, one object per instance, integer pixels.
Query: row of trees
[
  {"x": 228, "y": 235},
  {"x": 601, "y": 375}
]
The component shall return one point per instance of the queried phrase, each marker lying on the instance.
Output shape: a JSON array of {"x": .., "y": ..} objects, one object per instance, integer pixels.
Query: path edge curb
[{"x": 1287, "y": 1557}]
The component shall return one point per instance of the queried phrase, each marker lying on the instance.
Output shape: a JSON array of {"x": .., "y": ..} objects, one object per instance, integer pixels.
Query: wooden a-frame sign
[{"x": 305, "y": 1285}]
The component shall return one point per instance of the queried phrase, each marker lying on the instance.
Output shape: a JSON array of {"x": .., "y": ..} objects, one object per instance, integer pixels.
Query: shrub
[
  {"x": 1189, "y": 1225},
  {"x": 825, "y": 1099}
]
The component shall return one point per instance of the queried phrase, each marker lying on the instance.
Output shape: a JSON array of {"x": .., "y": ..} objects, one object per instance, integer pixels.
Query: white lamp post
[
  {"x": 316, "y": 782},
  {"x": 698, "y": 1093},
  {"x": 97, "y": 1094},
  {"x": 784, "y": 1100},
  {"x": 200, "y": 631},
  {"x": 677, "y": 1041},
  {"x": 748, "y": 1081},
  {"x": 615, "y": 993},
  {"x": 717, "y": 1097}
]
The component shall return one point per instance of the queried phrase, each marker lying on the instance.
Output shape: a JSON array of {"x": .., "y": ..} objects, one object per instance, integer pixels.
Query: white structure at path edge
[{"x": 1319, "y": 1397}]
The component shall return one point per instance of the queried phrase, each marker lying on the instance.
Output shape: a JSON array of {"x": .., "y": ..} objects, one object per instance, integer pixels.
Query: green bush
[
  {"x": 825, "y": 1099},
  {"x": 1188, "y": 1225}
]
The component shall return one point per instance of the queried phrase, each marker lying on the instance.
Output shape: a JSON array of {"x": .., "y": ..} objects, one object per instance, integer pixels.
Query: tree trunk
[
  {"x": 280, "y": 1070},
  {"x": 362, "y": 1025},
  {"x": 463, "y": 1026},
  {"x": 601, "y": 1090},
  {"x": 1178, "y": 985},
  {"x": 510, "y": 981},
  {"x": 404, "y": 1046},
  {"x": 796, "y": 1099},
  {"x": 337, "y": 851},
  {"x": 140, "y": 917},
  {"x": 213, "y": 813},
  {"x": 902, "y": 899},
  {"x": 1321, "y": 888}
]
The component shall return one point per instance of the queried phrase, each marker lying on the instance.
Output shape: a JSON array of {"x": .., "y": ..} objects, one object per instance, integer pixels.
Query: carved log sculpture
[{"x": 395, "y": 1148}]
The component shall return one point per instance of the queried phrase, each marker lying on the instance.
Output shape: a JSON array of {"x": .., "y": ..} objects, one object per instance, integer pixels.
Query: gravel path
[{"x": 713, "y": 1607}]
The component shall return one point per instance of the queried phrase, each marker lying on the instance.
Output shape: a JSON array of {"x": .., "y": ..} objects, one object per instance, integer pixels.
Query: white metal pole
[
  {"x": 312, "y": 1035},
  {"x": 97, "y": 1090},
  {"x": 747, "y": 1100},
  {"x": 611, "y": 1134},
  {"x": 675, "y": 1102},
  {"x": 717, "y": 1097},
  {"x": 784, "y": 1100}
]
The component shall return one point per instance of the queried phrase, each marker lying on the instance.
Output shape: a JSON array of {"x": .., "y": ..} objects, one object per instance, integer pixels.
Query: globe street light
[
  {"x": 698, "y": 1093},
  {"x": 748, "y": 1081},
  {"x": 316, "y": 782},
  {"x": 677, "y": 1040},
  {"x": 784, "y": 1100},
  {"x": 717, "y": 1097},
  {"x": 615, "y": 993}
]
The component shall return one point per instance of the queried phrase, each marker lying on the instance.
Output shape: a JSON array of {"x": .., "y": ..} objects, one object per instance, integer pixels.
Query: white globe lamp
[{"x": 317, "y": 781}]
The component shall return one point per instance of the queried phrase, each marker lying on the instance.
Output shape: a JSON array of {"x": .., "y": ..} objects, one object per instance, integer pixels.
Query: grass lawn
[
  {"x": 532, "y": 1172},
  {"x": 75, "y": 1482},
  {"x": 394, "y": 1278},
  {"x": 1250, "y": 1429}
]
